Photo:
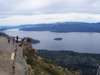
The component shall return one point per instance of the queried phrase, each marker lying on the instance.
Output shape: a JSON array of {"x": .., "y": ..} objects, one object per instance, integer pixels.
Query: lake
[{"x": 75, "y": 41}]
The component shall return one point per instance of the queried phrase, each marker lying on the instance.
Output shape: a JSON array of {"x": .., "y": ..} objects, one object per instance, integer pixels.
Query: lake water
[{"x": 74, "y": 41}]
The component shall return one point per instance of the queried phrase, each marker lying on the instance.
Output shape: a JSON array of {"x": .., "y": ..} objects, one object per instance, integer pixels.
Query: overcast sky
[{"x": 12, "y": 10}]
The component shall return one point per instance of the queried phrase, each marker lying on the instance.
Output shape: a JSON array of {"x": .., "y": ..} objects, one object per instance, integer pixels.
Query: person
[
  {"x": 13, "y": 69},
  {"x": 13, "y": 39},
  {"x": 8, "y": 40},
  {"x": 16, "y": 39},
  {"x": 15, "y": 50},
  {"x": 22, "y": 41}
]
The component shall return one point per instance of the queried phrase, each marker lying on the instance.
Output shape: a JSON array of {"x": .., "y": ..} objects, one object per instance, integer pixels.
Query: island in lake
[
  {"x": 34, "y": 41},
  {"x": 58, "y": 39}
]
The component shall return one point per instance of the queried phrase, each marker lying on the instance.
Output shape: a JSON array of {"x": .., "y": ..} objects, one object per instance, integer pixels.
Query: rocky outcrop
[{"x": 38, "y": 66}]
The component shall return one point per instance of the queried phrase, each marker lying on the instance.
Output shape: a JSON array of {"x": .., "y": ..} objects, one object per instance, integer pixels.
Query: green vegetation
[
  {"x": 42, "y": 66},
  {"x": 85, "y": 62}
]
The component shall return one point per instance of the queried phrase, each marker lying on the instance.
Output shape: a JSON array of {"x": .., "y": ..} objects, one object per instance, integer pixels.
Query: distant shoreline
[{"x": 68, "y": 51}]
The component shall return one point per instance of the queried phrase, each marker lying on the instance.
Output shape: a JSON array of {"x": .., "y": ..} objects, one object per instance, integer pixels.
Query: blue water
[{"x": 75, "y": 41}]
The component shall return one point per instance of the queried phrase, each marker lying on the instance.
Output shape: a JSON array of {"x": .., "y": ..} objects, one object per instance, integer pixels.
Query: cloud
[
  {"x": 50, "y": 18},
  {"x": 14, "y": 12},
  {"x": 30, "y": 7}
]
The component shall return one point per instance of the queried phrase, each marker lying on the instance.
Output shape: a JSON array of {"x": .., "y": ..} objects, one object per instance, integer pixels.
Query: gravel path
[{"x": 6, "y": 50}]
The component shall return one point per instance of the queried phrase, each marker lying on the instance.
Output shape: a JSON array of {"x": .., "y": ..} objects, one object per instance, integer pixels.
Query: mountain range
[{"x": 58, "y": 27}]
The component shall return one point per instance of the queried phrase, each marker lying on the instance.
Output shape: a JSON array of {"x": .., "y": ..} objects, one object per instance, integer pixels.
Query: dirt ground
[{"x": 6, "y": 50}]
